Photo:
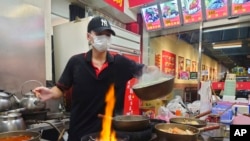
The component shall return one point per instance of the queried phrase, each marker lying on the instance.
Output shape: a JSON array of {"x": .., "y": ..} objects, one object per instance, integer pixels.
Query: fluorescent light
[{"x": 227, "y": 45}]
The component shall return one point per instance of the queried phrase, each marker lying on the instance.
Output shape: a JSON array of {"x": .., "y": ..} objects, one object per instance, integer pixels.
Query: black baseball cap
[{"x": 99, "y": 24}]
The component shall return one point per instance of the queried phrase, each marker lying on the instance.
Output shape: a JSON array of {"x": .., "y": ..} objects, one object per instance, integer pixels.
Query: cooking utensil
[
  {"x": 35, "y": 135},
  {"x": 193, "y": 121},
  {"x": 129, "y": 122},
  {"x": 11, "y": 122},
  {"x": 163, "y": 135},
  {"x": 154, "y": 90},
  {"x": 29, "y": 100},
  {"x": 5, "y": 102}
]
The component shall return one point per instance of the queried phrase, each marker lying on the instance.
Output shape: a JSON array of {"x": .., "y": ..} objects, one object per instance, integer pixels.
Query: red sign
[
  {"x": 240, "y": 7},
  {"x": 118, "y": 4},
  {"x": 168, "y": 63},
  {"x": 151, "y": 17},
  {"x": 191, "y": 11},
  {"x": 215, "y": 10},
  {"x": 170, "y": 13},
  {"x": 239, "y": 85},
  {"x": 134, "y": 3}
]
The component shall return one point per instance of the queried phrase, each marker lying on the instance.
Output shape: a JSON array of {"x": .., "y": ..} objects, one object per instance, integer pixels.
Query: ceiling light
[{"x": 227, "y": 45}]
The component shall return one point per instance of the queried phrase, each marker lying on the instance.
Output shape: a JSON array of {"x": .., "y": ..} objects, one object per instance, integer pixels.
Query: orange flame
[{"x": 107, "y": 134}]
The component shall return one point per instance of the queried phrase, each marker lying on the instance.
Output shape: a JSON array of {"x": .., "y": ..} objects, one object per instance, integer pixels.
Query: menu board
[
  {"x": 151, "y": 17},
  {"x": 240, "y": 7},
  {"x": 170, "y": 13},
  {"x": 191, "y": 11},
  {"x": 216, "y": 9}
]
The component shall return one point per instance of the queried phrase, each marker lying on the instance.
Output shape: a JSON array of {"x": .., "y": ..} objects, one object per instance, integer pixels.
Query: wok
[
  {"x": 129, "y": 122},
  {"x": 35, "y": 135},
  {"x": 163, "y": 135},
  {"x": 154, "y": 90},
  {"x": 194, "y": 121}
]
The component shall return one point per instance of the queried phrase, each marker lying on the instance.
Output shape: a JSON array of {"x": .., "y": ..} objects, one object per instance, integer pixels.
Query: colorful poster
[
  {"x": 170, "y": 13},
  {"x": 180, "y": 66},
  {"x": 168, "y": 63},
  {"x": 151, "y": 17},
  {"x": 191, "y": 11},
  {"x": 240, "y": 7},
  {"x": 188, "y": 65},
  {"x": 216, "y": 9}
]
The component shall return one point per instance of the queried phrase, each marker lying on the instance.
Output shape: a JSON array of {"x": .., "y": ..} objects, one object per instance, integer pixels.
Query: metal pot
[
  {"x": 11, "y": 122},
  {"x": 154, "y": 90},
  {"x": 5, "y": 102},
  {"x": 192, "y": 121},
  {"x": 35, "y": 136},
  {"x": 29, "y": 99},
  {"x": 163, "y": 135},
  {"x": 129, "y": 122}
]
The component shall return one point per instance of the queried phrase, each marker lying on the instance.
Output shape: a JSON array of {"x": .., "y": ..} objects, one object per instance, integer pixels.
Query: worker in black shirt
[{"x": 90, "y": 75}]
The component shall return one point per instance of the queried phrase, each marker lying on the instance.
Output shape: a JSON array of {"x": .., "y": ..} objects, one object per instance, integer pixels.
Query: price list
[
  {"x": 216, "y": 10},
  {"x": 240, "y": 7}
]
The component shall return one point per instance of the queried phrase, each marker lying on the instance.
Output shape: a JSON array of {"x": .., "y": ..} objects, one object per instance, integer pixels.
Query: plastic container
[{"x": 227, "y": 115}]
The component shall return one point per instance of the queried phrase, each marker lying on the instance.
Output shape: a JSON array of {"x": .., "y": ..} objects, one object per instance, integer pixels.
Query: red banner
[
  {"x": 239, "y": 85},
  {"x": 118, "y": 4},
  {"x": 134, "y": 3}
]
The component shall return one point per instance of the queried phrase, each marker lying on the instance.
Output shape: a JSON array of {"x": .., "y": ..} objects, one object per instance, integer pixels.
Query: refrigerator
[{"x": 70, "y": 38}]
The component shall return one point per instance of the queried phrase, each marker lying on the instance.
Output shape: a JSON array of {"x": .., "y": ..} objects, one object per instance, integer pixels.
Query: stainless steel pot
[
  {"x": 11, "y": 122},
  {"x": 5, "y": 102},
  {"x": 29, "y": 100},
  {"x": 35, "y": 136}
]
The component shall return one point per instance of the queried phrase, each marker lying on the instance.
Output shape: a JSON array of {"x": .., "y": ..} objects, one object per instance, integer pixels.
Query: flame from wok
[{"x": 107, "y": 134}]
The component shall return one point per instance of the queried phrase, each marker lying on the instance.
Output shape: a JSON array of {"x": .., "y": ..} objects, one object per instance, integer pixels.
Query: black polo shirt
[{"x": 89, "y": 89}]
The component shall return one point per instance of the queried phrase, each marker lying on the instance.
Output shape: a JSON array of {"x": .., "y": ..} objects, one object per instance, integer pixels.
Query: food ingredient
[
  {"x": 17, "y": 138},
  {"x": 177, "y": 130}
]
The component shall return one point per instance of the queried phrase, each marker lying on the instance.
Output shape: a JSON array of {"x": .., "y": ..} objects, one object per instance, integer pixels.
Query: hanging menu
[
  {"x": 191, "y": 11},
  {"x": 151, "y": 17},
  {"x": 170, "y": 13},
  {"x": 240, "y": 7},
  {"x": 216, "y": 9}
]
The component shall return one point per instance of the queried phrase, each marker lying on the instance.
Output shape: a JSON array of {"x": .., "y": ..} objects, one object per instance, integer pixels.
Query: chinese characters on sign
[
  {"x": 151, "y": 17},
  {"x": 118, "y": 4},
  {"x": 216, "y": 9},
  {"x": 240, "y": 7},
  {"x": 168, "y": 63}
]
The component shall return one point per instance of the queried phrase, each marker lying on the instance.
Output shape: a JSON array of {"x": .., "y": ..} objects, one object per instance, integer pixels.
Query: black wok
[
  {"x": 164, "y": 135},
  {"x": 129, "y": 122}
]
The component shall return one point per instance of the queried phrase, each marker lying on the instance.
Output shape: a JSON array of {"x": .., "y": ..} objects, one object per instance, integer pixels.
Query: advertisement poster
[
  {"x": 216, "y": 9},
  {"x": 240, "y": 7},
  {"x": 168, "y": 63},
  {"x": 151, "y": 17},
  {"x": 191, "y": 11},
  {"x": 188, "y": 65},
  {"x": 170, "y": 13},
  {"x": 194, "y": 66},
  {"x": 180, "y": 66}
]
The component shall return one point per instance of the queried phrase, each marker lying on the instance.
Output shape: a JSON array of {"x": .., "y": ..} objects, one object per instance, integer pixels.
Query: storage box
[{"x": 227, "y": 115}]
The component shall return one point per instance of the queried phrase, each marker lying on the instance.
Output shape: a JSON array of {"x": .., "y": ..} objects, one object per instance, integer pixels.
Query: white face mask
[{"x": 101, "y": 43}]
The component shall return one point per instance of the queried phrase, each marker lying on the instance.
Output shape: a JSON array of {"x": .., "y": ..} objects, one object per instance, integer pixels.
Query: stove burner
[
  {"x": 144, "y": 135},
  {"x": 95, "y": 137}
]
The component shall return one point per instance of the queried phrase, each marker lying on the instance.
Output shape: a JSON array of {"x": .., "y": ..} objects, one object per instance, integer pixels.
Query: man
[{"x": 90, "y": 76}]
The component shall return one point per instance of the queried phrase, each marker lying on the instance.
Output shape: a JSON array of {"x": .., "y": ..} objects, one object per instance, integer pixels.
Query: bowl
[{"x": 155, "y": 89}]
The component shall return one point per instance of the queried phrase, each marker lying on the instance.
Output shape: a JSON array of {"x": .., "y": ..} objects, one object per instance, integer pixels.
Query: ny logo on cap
[{"x": 104, "y": 22}]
